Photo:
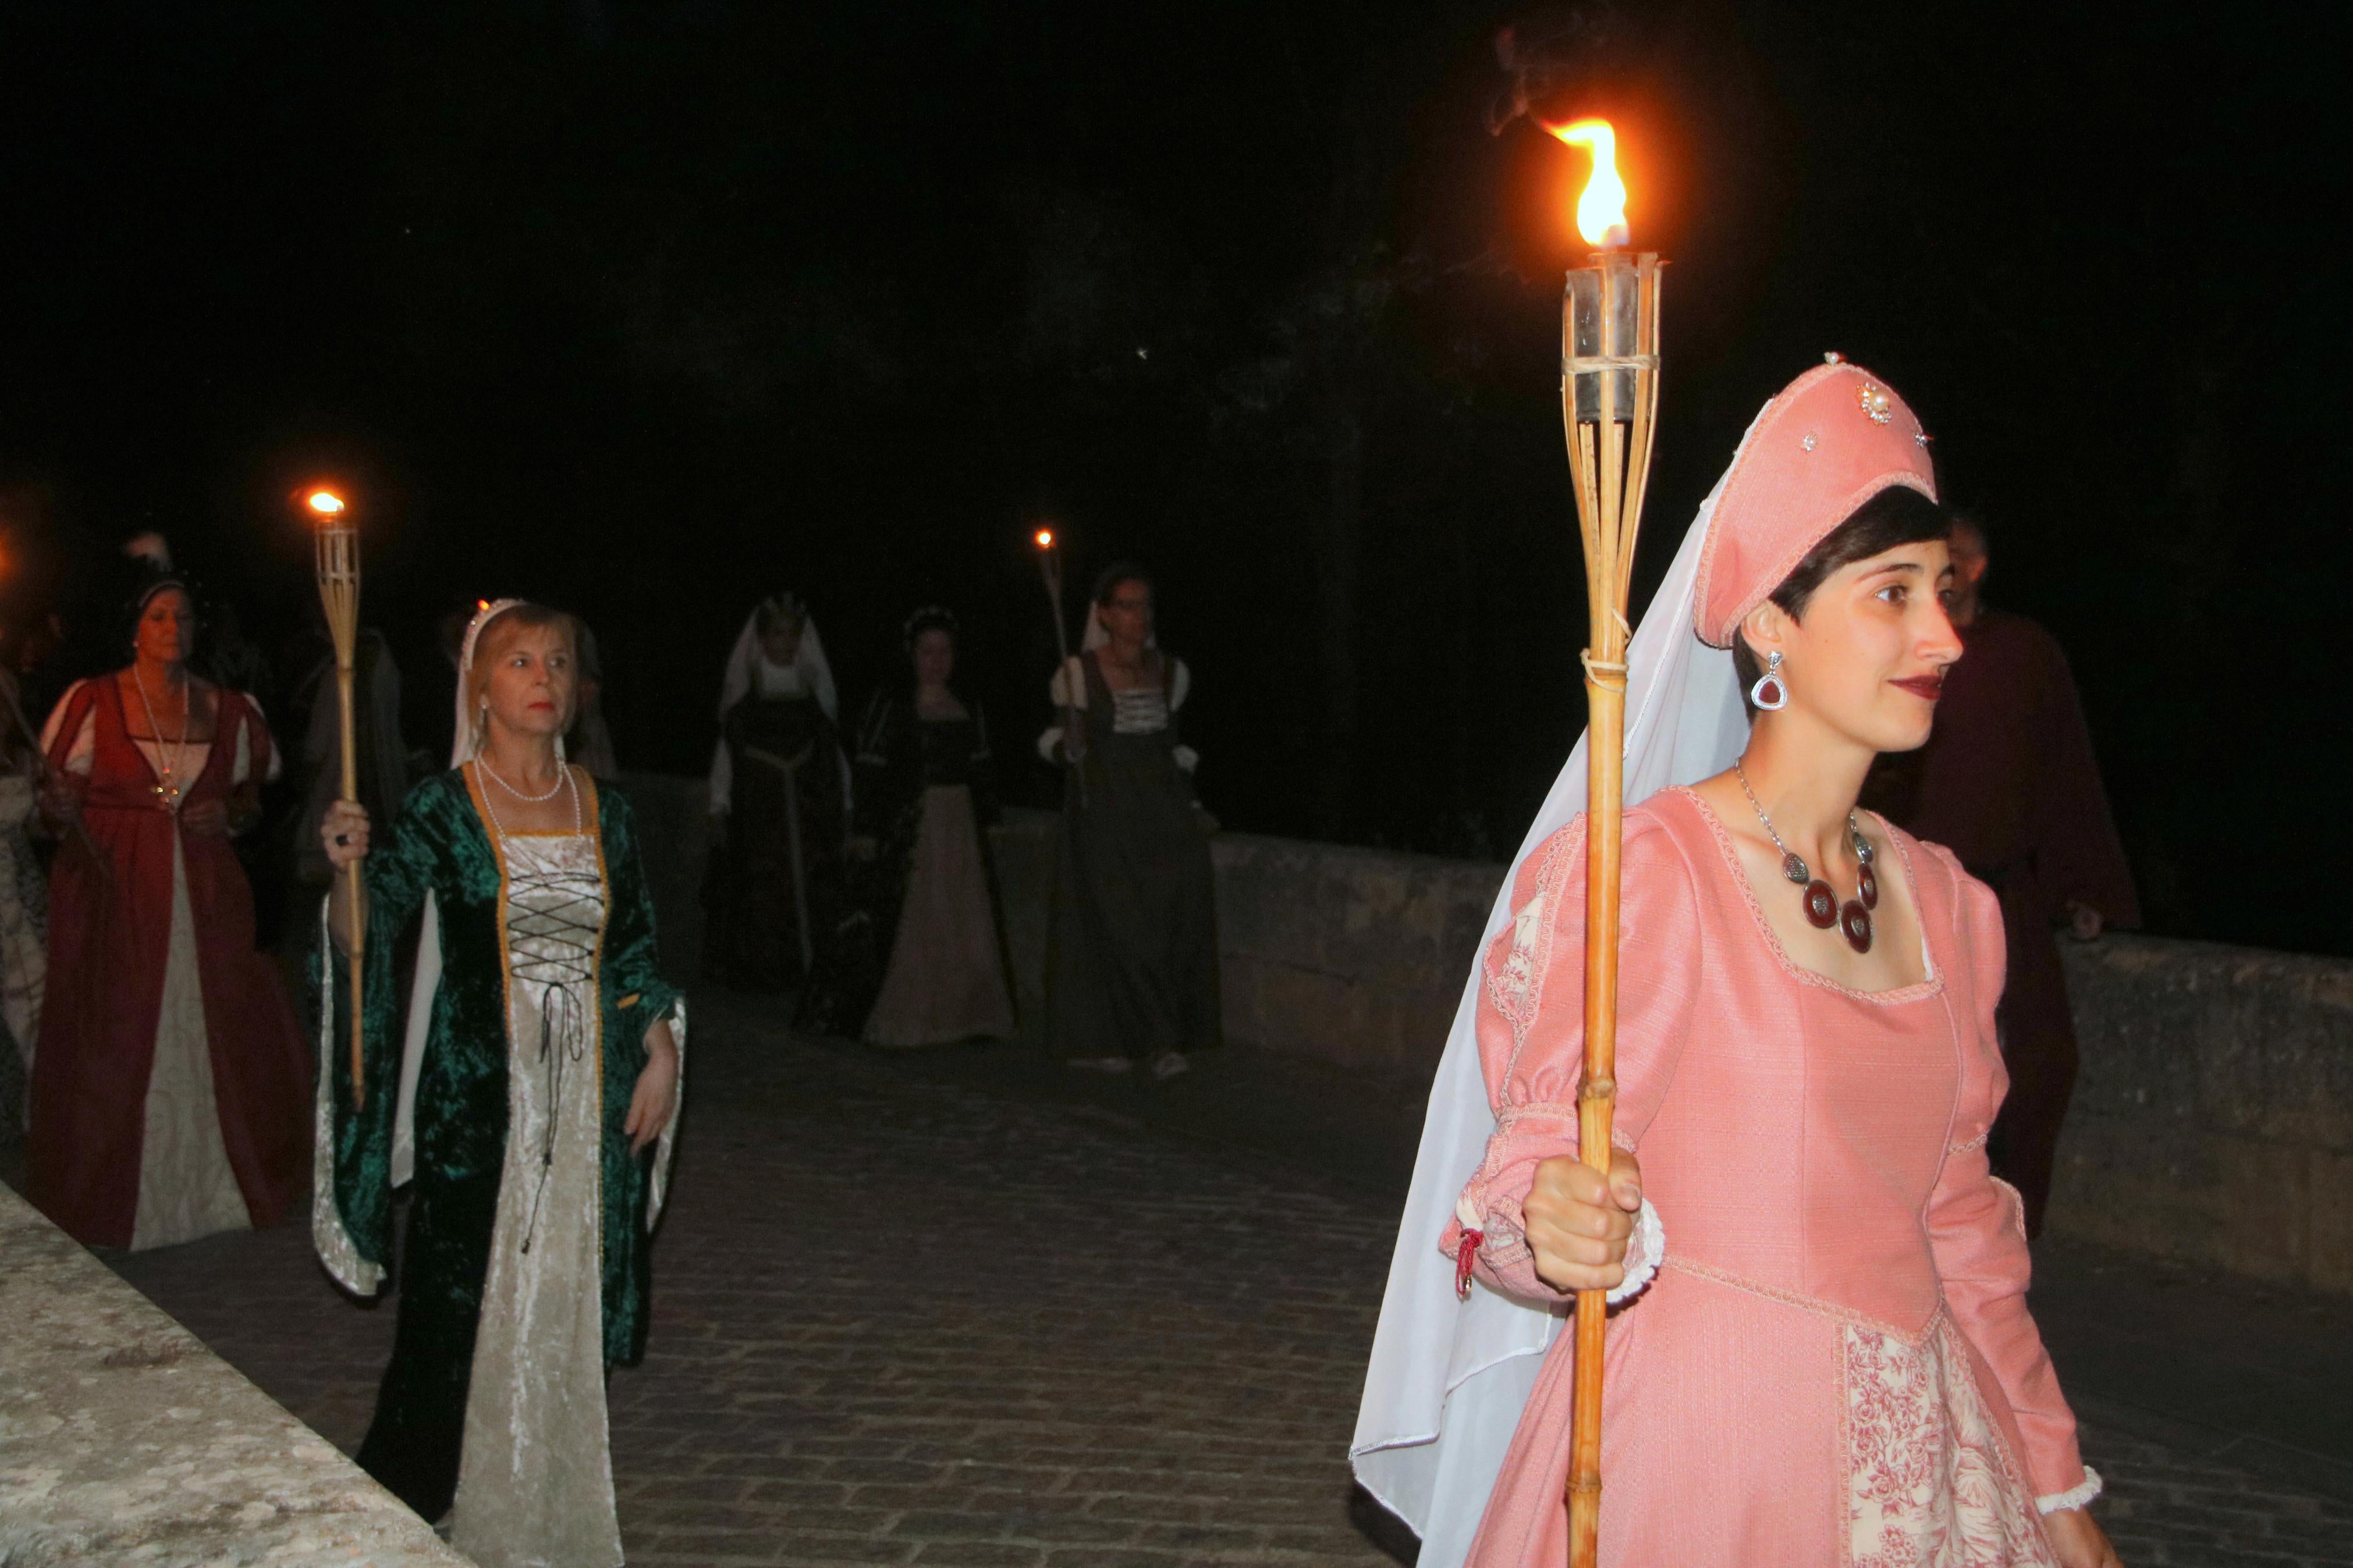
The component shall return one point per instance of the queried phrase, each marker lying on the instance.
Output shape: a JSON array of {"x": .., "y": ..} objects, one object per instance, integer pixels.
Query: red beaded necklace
[{"x": 1823, "y": 910}]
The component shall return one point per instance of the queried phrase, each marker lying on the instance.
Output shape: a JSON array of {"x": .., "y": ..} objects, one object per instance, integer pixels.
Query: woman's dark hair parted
[{"x": 1897, "y": 515}]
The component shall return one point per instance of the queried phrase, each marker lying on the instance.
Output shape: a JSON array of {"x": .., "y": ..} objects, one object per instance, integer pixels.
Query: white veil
[
  {"x": 736, "y": 684},
  {"x": 1449, "y": 1378},
  {"x": 467, "y": 739}
]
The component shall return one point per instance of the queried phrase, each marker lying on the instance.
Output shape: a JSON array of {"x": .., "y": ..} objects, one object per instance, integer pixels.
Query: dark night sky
[{"x": 650, "y": 309}]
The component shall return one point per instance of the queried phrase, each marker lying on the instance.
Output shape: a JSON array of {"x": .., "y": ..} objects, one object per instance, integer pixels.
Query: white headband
[{"x": 465, "y": 740}]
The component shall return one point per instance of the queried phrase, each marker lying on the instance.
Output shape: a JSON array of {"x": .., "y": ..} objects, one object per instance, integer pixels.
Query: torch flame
[
  {"x": 1045, "y": 539},
  {"x": 326, "y": 503},
  {"x": 1601, "y": 210}
]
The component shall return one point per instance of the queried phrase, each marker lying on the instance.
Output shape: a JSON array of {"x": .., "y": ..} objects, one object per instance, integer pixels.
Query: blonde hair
[{"x": 498, "y": 633}]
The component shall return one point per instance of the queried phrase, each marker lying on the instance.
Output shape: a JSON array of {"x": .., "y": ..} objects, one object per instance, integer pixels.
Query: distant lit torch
[
  {"x": 338, "y": 538},
  {"x": 1608, "y": 403},
  {"x": 1050, "y": 567}
]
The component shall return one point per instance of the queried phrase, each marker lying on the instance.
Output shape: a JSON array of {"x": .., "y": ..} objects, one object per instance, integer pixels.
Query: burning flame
[
  {"x": 326, "y": 503},
  {"x": 1601, "y": 210},
  {"x": 1045, "y": 539}
]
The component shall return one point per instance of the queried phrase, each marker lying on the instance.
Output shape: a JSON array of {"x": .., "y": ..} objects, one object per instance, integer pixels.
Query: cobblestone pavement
[{"x": 900, "y": 1320}]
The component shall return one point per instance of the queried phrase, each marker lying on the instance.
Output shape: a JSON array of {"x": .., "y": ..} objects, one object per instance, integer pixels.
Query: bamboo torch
[
  {"x": 1050, "y": 567},
  {"x": 338, "y": 537},
  {"x": 1608, "y": 400}
]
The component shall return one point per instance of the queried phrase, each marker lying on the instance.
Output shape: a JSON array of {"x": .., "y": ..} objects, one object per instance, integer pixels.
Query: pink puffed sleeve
[
  {"x": 1531, "y": 1021},
  {"x": 1976, "y": 1226}
]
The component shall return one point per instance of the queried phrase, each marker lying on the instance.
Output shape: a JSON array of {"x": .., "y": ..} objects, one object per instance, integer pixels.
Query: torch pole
[
  {"x": 1609, "y": 392},
  {"x": 339, "y": 596},
  {"x": 1049, "y": 566}
]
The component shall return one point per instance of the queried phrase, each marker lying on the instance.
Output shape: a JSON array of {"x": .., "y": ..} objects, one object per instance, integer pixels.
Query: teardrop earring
[{"x": 1769, "y": 694}]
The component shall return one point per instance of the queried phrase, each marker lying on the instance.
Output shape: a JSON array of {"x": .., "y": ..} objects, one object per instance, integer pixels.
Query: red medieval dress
[
  {"x": 171, "y": 1086},
  {"x": 2008, "y": 781}
]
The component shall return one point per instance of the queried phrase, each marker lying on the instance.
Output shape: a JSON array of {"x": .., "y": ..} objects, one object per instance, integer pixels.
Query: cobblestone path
[{"x": 901, "y": 1321}]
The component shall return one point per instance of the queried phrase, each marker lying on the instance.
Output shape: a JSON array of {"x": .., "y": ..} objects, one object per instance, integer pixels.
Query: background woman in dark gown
[
  {"x": 919, "y": 957},
  {"x": 779, "y": 794},
  {"x": 1131, "y": 957}
]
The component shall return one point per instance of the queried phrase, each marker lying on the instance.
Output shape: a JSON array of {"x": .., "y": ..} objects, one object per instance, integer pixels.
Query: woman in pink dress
[{"x": 1823, "y": 1353}]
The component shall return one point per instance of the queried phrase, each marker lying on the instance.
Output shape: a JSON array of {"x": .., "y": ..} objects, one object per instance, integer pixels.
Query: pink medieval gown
[
  {"x": 1833, "y": 1363},
  {"x": 171, "y": 1086}
]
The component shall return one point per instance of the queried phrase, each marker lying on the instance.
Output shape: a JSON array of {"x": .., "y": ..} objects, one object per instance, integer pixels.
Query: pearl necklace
[
  {"x": 1822, "y": 907},
  {"x": 563, "y": 775},
  {"x": 563, "y": 778},
  {"x": 168, "y": 753}
]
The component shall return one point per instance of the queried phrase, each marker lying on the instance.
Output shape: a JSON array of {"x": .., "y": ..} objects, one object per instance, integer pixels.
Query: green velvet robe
[{"x": 439, "y": 844}]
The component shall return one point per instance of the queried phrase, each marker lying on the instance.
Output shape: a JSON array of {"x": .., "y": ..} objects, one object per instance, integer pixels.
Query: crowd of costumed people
[{"x": 1860, "y": 804}]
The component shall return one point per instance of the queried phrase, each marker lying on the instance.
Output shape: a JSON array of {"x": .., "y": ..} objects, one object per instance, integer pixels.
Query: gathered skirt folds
[
  {"x": 170, "y": 1078},
  {"x": 1744, "y": 1426},
  {"x": 535, "y": 1479},
  {"x": 187, "y": 1186},
  {"x": 946, "y": 978},
  {"x": 1132, "y": 951}
]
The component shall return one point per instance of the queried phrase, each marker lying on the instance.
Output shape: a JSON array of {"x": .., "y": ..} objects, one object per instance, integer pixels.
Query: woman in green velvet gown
[{"x": 550, "y": 1069}]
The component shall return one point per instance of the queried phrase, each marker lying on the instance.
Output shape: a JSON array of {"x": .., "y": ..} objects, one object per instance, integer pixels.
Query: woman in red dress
[{"x": 170, "y": 1087}]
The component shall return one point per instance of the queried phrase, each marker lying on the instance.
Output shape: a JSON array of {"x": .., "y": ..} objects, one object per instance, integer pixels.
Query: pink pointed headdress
[{"x": 1829, "y": 441}]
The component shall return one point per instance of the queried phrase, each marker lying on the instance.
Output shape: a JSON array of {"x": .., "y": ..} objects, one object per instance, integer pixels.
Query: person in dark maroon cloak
[
  {"x": 170, "y": 1087},
  {"x": 2008, "y": 781}
]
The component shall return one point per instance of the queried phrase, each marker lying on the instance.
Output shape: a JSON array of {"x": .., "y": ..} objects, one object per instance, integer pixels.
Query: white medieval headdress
[
  {"x": 744, "y": 664},
  {"x": 468, "y": 735}
]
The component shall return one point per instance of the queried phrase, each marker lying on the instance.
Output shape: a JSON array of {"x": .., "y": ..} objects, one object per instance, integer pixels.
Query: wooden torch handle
[
  {"x": 1610, "y": 457},
  {"x": 1073, "y": 736},
  {"x": 1596, "y": 1100}
]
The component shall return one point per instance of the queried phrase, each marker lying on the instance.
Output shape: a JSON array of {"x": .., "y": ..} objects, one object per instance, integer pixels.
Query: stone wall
[
  {"x": 1354, "y": 956},
  {"x": 2213, "y": 1118},
  {"x": 2213, "y": 1123},
  {"x": 123, "y": 1440}
]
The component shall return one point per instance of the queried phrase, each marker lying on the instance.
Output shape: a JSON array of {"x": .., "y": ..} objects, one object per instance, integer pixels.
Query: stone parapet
[
  {"x": 1352, "y": 956},
  {"x": 2212, "y": 1121},
  {"x": 123, "y": 1440},
  {"x": 2213, "y": 1124}
]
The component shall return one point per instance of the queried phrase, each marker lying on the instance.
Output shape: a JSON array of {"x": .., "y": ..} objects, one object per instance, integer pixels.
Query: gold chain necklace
[{"x": 168, "y": 756}]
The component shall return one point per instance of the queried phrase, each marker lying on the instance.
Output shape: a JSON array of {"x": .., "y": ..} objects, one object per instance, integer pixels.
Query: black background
[{"x": 649, "y": 310}]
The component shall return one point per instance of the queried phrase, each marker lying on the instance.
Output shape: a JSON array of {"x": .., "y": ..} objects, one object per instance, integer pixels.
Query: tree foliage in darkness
[{"x": 654, "y": 307}]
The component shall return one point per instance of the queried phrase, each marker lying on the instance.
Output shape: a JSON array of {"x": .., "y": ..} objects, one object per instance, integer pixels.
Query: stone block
[
  {"x": 2329, "y": 1223},
  {"x": 1326, "y": 1013},
  {"x": 122, "y": 1439}
]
